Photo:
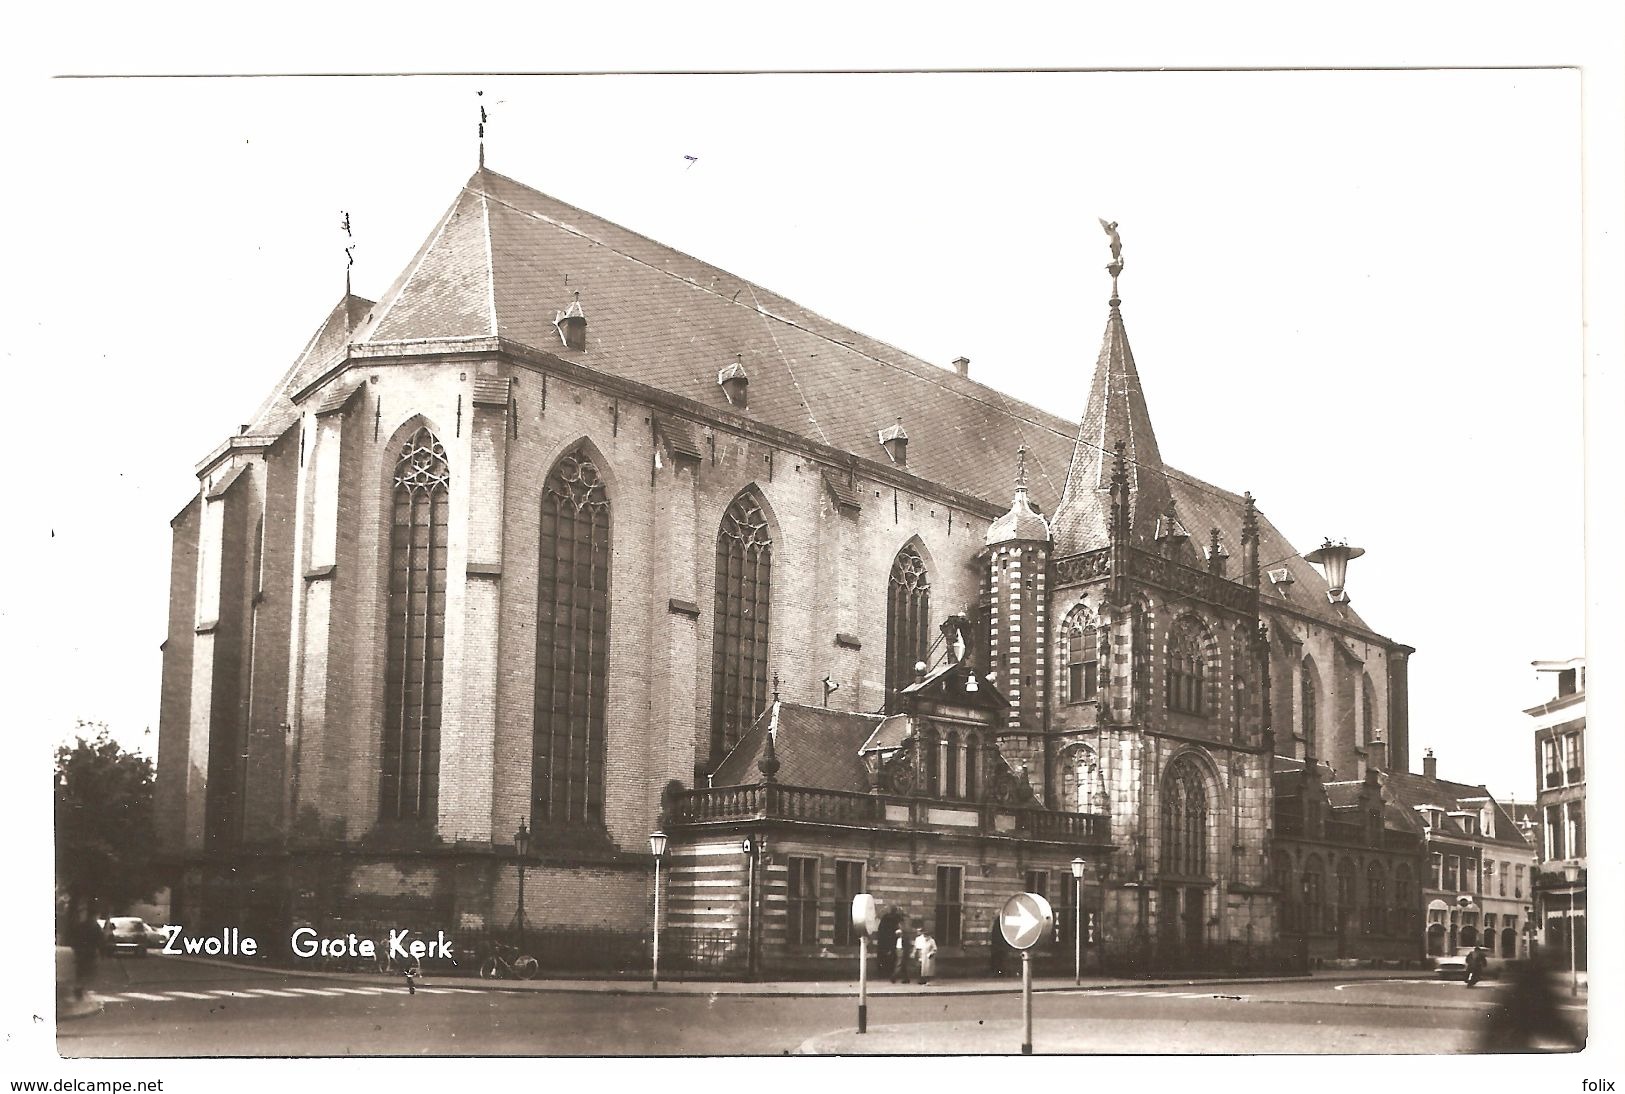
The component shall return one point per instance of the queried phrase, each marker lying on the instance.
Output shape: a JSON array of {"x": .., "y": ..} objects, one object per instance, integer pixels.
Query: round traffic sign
[
  {"x": 1025, "y": 918},
  {"x": 865, "y": 916}
]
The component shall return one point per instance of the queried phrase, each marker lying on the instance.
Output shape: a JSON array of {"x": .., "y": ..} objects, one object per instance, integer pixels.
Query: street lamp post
[
  {"x": 1078, "y": 865},
  {"x": 750, "y": 849},
  {"x": 521, "y": 846},
  {"x": 1571, "y": 874},
  {"x": 657, "y": 848}
]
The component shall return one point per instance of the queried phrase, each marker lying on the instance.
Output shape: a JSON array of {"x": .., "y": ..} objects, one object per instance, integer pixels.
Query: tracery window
[
  {"x": 1347, "y": 895},
  {"x": 1306, "y": 673},
  {"x": 1081, "y": 787},
  {"x": 908, "y": 619},
  {"x": 1082, "y": 656},
  {"x": 1184, "y": 820},
  {"x": 1376, "y": 897},
  {"x": 1314, "y": 895},
  {"x": 1185, "y": 667},
  {"x": 1286, "y": 892},
  {"x": 572, "y": 645},
  {"x": 1368, "y": 711},
  {"x": 740, "y": 622},
  {"x": 1403, "y": 910},
  {"x": 409, "y": 776}
]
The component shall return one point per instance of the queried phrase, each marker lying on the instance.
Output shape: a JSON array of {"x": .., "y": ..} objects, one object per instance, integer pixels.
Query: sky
[{"x": 1356, "y": 294}]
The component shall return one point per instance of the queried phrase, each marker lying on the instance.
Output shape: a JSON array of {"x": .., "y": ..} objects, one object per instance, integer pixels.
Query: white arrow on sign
[{"x": 1023, "y": 921}]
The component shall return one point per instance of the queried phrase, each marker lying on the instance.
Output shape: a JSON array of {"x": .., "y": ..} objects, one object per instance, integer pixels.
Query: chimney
[
  {"x": 1377, "y": 755},
  {"x": 962, "y": 366},
  {"x": 1430, "y": 765}
]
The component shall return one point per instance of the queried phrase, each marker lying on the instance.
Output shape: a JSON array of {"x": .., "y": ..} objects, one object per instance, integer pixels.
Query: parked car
[
  {"x": 128, "y": 934},
  {"x": 1454, "y": 966}
]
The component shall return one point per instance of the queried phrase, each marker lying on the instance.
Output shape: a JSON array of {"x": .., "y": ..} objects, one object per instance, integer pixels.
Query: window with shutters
[
  {"x": 850, "y": 880},
  {"x": 950, "y": 904},
  {"x": 572, "y": 646},
  {"x": 409, "y": 782},
  {"x": 801, "y": 927},
  {"x": 740, "y": 622}
]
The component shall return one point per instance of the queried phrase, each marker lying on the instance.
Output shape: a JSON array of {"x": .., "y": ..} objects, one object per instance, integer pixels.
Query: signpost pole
[
  {"x": 1026, "y": 1002},
  {"x": 863, "y": 985}
]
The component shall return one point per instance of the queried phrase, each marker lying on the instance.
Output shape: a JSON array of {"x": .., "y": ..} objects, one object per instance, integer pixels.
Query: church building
[{"x": 570, "y": 537}]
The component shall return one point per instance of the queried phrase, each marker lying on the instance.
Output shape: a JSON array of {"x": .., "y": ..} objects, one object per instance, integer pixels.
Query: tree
[{"x": 104, "y": 826}]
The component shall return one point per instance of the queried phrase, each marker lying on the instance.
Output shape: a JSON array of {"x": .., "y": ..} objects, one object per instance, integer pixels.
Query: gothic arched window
[
  {"x": 409, "y": 775},
  {"x": 1376, "y": 897},
  {"x": 1184, "y": 820},
  {"x": 908, "y": 619},
  {"x": 1306, "y": 674},
  {"x": 930, "y": 758},
  {"x": 1347, "y": 895},
  {"x": 1368, "y": 711},
  {"x": 1402, "y": 911},
  {"x": 1185, "y": 667},
  {"x": 973, "y": 748},
  {"x": 1286, "y": 892},
  {"x": 572, "y": 646},
  {"x": 1082, "y": 656},
  {"x": 1081, "y": 787},
  {"x": 739, "y": 622},
  {"x": 1314, "y": 895}
]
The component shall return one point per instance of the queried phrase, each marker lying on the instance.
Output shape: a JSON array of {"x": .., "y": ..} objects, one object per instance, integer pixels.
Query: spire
[
  {"x": 1249, "y": 541},
  {"x": 1022, "y": 522},
  {"x": 1115, "y": 412},
  {"x": 349, "y": 249}
]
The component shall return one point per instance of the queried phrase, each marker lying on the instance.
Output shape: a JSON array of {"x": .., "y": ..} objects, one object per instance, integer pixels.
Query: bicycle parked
[{"x": 505, "y": 962}]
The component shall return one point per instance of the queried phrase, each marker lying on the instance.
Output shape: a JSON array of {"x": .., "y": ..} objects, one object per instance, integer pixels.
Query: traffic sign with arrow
[{"x": 1025, "y": 918}]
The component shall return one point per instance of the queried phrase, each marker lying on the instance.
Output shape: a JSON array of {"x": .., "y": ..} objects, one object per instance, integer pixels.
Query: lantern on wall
[{"x": 1334, "y": 558}]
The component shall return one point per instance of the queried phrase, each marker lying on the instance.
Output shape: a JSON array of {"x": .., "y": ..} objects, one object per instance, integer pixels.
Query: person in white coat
[{"x": 925, "y": 954}]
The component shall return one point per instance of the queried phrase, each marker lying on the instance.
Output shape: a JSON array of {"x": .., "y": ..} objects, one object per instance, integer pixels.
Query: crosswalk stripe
[
  {"x": 314, "y": 991},
  {"x": 361, "y": 991},
  {"x": 271, "y": 991},
  {"x": 144, "y": 995},
  {"x": 436, "y": 991},
  {"x": 229, "y": 994},
  {"x": 188, "y": 995}
]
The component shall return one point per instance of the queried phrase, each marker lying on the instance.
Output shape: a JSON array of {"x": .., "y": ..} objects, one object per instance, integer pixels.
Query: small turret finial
[
  {"x": 775, "y": 687},
  {"x": 1021, "y": 467}
]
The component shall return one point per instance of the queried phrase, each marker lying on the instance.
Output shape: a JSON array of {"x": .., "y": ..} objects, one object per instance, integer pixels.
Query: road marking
[
  {"x": 315, "y": 991},
  {"x": 231, "y": 994},
  {"x": 271, "y": 991},
  {"x": 1393, "y": 980},
  {"x": 361, "y": 991},
  {"x": 188, "y": 995},
  {"x": 143, "y": 995}
]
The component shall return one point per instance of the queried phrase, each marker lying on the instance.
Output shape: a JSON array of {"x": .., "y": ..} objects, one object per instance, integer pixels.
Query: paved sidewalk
[{"x": 971, "y": 986}]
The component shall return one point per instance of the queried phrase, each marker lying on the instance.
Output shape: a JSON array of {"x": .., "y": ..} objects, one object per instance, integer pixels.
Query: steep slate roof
[
  {"x": 1412, "y": 790},
  {"x": 344, "y": 324},
  {"x": 1116, "y": 411},
  {"x": 816, "y": 748},
  {"x": 496, "y": 263}
]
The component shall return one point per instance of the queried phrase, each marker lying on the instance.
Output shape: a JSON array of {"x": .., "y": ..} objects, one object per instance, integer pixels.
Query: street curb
[{"x": 733, "y": 988}]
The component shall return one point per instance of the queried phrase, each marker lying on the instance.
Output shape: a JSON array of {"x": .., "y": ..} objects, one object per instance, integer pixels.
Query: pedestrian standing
[
  {"x": 1475, "y": 965},
  {"x": 899, "y": 966},
  {"x": 925, "y": 954}
]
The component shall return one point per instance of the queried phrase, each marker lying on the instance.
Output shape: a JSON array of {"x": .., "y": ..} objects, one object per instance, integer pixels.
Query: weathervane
[
  {"x": 349, "y": 248},
  {"x": 1115, "y": 267},
  {"x": 482, "y": 130}
]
